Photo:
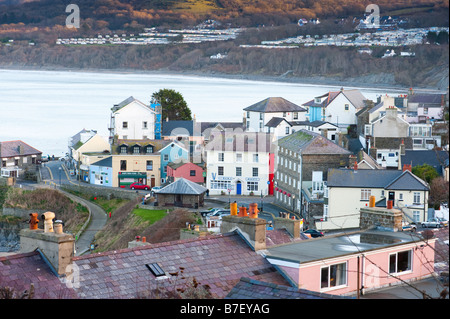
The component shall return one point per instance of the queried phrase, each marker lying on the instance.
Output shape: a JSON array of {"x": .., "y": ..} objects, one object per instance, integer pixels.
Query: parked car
[
  {"x": 139, "y": 186},
  {"x": 435, "y": 223},
  {"x": 443, "y": 221},
  {"x": 155, "y": 189},
  {"x": 314, "y": 233},
  {"x": 409, "y": 227},
  {"x": 44, "y": 158},
  {"x": 220, "y": 213},
  {"x": 209, "y": 211}
]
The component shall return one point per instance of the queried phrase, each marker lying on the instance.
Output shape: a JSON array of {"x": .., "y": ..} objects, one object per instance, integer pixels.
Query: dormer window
[
  {"x": 123, "y": 149},
  {"x": 317, "y": 100},
  {"x": 149, "y": 149},
  {"x": 136, "y": 149}
]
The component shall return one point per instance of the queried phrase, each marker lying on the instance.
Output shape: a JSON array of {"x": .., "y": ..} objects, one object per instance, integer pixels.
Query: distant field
[
  {"x": 195, "y": 6},
  {"x": 406, "y": 11}
]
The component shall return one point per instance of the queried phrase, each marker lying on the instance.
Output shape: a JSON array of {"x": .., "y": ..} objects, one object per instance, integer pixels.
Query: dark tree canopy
[{"x": 173, "y": 105}]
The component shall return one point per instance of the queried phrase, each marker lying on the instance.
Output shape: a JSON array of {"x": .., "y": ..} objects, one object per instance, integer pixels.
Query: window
[
  {"x": 125, "y": 125},
  {"x": 425, "y": 110},
  {"x": 284, "y": 114},
  {"x": 239, "y": 171},
  {"x": 416, "y": 216},
  {"x": 346, "y": 107},
  {"x": 123, "y": 150},
  {"x": 400, "y": 262},
  {"x": 221, "y": 157},
  {"x": 252, "y": 186},
  {"x": 365, "y": 194},
  {"x": 333, "y": 276},
  {"x": 192, "y": 173},
  {"x": 16, "y": 162},
  {"x": 123, "y": 165},
  {"x": 248, "y": 114},
  {"x": 400, "y": 196},
  {"x": 238, "y": 157},
  {"x": 220, "y": 170},
  {"x": 295, "y": 115},
  {"x": 261, "y": 116},
  {"x": 255, "y": 158},
  {"x": 287, "y": 130},
  {"x": 416, "y": 198},
  {"x": 144, "y": 125},
  {"x": 155, "y": 269},
  {"x": 136, "y": 150},
  {"x": 220, "y": 184},
  {"x": 166, "y": 157},
  {"x": 255, "y": 172},
  {"x": 149, "y": 149},
  {"x": 125, "y": 137},
  {"x": 149, "y": 165},
  {"x": 3, "y": 163}
]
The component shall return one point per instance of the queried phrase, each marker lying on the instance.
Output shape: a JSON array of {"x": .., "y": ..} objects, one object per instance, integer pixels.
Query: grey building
[{"x": 301, "y": 164}]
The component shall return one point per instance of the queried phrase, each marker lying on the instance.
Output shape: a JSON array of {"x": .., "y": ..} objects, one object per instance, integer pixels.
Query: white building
[
  {"x": 238, "y": 163},
  {"x": 132, "y": 120},
  {"x": 256, "y": 116}
]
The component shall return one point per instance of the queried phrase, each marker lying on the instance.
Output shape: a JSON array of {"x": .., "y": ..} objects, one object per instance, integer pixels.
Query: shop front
[{"x": 128, "y": 178}]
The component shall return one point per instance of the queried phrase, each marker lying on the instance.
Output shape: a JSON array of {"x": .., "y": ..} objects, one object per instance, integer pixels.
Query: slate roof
[
  {"x": 279, "y": 236},
  {"x": 386, "y": 179},
  {"x": 354, "y": 96},
  {"x": 310, "y": 143},
  {"x": 426, "y": 99},
  {"x": 125, "y": 102},
  {"x": 106, "y": 162},
  {"x": 12, "y": 149},
  {"x": 274, "y": 104},
  {"x": 184, "y": 187},
  {"x": 254, "y": 289},
  {"x": 217, "y": 261},
  {"x": 240, "y": 141},
  {"x": 173, "y": 128},
  {"x": 157, "y": 145},
  {"x": 19, "y": 271},
  {"x": 275, "y": 121},
  {"x": 436, "y": 159}
]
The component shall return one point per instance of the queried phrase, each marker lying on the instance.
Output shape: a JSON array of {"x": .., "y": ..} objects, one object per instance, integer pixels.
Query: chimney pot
[
  {"x": 34, "y": 221},
  {"x": 138, "y": 238},
  {"x": 48, "y": 221}
]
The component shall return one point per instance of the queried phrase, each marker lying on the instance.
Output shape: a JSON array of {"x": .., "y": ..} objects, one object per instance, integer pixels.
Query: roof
[
  {"x": 19, "y": 271},
  {"x": 308, "y": 142},
  {"x": 248, "y": 288},
  {"x": 386, "y": 179},
  {"x": 426, "y": 99},
  {"x": 17, "y": 148},
  {"x": 125, "y": 102},
  {"x": 174, "y": 128},
  {"x": 217, "y": 261},
  {"x": 184, "y": 187},
  {"x": 274, "y": 104},
  {"x": 183, "y": 162},
  {"x": 354, "y": 96},
  {"x": 240, "y": 141},
  {"x": 436, "y": 159},
  {"x": 106, "y": 162},
  {"x": 275, "y": 121},
  {"x": 157, "y": 145},
  {"x": 336, "y": 246}
]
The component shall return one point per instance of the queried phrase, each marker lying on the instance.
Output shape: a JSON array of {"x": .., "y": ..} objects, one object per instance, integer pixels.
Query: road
[{"x": 55, "y": 174}]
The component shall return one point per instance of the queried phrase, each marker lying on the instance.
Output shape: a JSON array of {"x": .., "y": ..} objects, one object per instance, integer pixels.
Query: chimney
[
  {"x": 381, "y": 218},
  {"x": 402, "y": 148},
  {"x": 253, "y": 230},
  {"x": 391, "y": 112},
  {"x": 56, "y": 247},
  {"x": 407, "y": 167},
  {"x": 139, "y": 241},
  {"x": 292, "y": 226},
  {"x": 355, "y": 166}
]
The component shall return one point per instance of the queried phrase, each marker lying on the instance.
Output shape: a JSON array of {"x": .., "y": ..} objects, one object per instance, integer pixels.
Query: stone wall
[
  {"x": 106, "y": 192},
  {"x": 19, "y": 212},
  {"x": 252, "y": 229},
  {"x": 381, "y": 217}
]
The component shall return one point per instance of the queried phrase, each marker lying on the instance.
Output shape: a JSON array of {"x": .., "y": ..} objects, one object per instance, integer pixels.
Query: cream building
[
  {"x": 130, "y": 168},
  {"x": 349, "y": 190}
]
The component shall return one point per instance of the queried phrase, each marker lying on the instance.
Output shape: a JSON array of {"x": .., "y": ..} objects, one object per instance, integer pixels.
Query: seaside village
[{"x": 310, "y": 201}]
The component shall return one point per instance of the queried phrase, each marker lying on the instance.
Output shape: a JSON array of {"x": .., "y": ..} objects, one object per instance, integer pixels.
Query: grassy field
[{"x": 150, "y": 215}]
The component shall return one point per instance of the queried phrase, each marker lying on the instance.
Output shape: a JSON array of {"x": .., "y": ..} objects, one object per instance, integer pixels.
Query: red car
[{"x": 139, "y": 186}]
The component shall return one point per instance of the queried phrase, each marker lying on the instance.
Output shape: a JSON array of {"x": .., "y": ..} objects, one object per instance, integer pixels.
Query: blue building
[
  {"x": 157, "y": 108},
  {"x": 172, "y": 153},
  {"x": 101, "y": 173}
]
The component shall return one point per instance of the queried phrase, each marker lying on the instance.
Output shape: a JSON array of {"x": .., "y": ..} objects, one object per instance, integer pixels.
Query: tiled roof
[
  {"x": 253, "y": 289},
  {"x": 12, "y": 148},
  {"x": 425, "y": 99},
  {"x": 19, "y": 271},
  {"x": 125, "y": 102},
  {"x": 279, "y": 236},
  {"x": 275, "y": 121},
  {"x": 275, "y": 104},
  {"x": 433, "y": 158},
  {"x": 177, "y": 127},
  {"x": 354, "y": 96},
  {"x": 217, "y": 261}
]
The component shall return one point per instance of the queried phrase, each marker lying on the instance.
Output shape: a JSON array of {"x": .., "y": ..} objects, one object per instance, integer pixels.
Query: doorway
[{"x": 238, "y": 188}]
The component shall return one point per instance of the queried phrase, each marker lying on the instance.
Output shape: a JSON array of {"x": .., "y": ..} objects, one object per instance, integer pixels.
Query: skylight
[{"x": 156, "y": 269}]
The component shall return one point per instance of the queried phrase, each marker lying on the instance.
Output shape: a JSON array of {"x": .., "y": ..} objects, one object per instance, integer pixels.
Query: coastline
[{"x": 357, "y": 82}]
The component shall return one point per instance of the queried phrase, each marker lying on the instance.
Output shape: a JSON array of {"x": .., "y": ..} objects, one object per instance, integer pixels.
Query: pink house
[
  {"x": 364, "y": 261},
  {"x": 189, "y": 171}
]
